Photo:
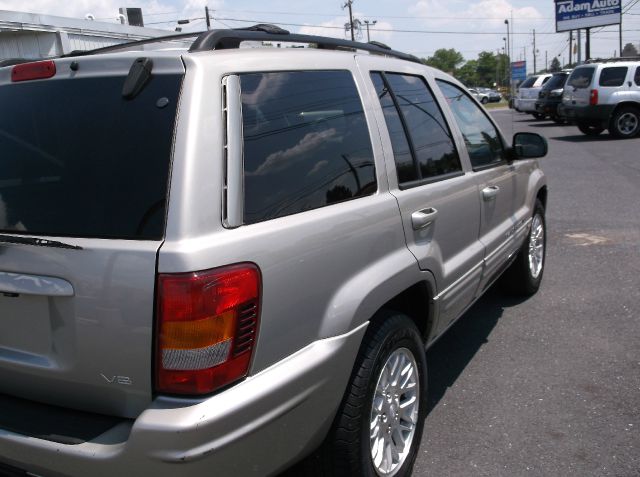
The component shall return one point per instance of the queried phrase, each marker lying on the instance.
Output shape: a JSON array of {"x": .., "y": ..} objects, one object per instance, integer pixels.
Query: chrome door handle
[
  {"x": 489, "y": 193},
  {"x": 423, "y": 218}
]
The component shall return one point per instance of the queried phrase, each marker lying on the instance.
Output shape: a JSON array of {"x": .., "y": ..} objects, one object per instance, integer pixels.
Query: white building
[{"x": 29, "y": 35}]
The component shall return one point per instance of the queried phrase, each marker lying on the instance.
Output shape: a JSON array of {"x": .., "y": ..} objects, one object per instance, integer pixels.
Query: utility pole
[
  {"x": 546, "y": 61},
  {"x": 570, "y": 47},
  {"x": 535, "y": 52},
  {"x": 206, "y": 16},
  {"x": 579, "y": 46},
  {"x": 587, "y": 55},
  {"x": 348, "y": 4}
]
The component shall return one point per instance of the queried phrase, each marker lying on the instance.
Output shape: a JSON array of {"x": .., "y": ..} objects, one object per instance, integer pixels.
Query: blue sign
[
  {"x": 576, "y": 14},
  {"x": 518, "y": 71}
]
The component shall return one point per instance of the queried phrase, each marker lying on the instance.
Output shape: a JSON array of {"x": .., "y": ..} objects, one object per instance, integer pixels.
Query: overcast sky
[{"x": 468, "y": 26}]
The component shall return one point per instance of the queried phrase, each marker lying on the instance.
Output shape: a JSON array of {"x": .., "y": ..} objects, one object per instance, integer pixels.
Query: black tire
[
  {"x": 538, "y": 116},
  {"x": 347, "y": 449},
  {"x": 559, "y": 120},
  {"x": 625, "y": 122},
  {"x": 589, "y": 129},
  {"x": 484, "y": 100},
  {"x": 520, "y": 278}
]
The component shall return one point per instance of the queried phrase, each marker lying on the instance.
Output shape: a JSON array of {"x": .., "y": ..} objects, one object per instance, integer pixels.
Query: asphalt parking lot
[{"x": 550, "y": 386}]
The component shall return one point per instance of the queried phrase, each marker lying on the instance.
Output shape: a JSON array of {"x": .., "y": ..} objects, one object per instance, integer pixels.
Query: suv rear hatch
[{"x": 84, "y": 177}]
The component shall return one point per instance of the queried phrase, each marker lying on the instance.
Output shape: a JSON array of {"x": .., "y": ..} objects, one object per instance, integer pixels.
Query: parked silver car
[
  {"x": 527, "y": 95},
  {"x": 223, "y": 259}
]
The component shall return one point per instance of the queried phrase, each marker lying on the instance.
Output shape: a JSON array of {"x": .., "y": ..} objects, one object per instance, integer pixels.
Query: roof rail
[
  {"x": 122, "y": 46},
  {"x": 229, "y": 39},
  {"x": 613, "y": 60}
]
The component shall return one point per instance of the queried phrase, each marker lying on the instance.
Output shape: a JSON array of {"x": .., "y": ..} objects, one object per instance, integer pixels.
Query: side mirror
[{"x": 529, "y": 146}]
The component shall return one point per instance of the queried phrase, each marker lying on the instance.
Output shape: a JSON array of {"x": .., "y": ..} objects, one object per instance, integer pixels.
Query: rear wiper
[{"x": 38, "y": 242}]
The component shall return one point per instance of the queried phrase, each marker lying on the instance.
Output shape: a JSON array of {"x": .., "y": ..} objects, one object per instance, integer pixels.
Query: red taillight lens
[
  {"x": 207, "y": 324},
  {"x": 33, "y": 71},
  {"x": 593, "y": 99}
]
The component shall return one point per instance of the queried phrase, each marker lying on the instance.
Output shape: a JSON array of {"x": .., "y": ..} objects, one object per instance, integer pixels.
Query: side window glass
[
  {"x": 480, "y": 135},
  {"x": 613, "y": 76},
  {"x": 544, "y": 81},
  {"x": 306, "y": 143},
  {"x": 637, "y": 77},
  {"x": 429, "y": 135},
  {"x": 405, "y": 166}
]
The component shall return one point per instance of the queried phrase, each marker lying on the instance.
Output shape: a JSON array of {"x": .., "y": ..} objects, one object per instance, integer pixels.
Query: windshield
[
  {"x": 528, "y": 83},
  {"x": 556, "y": 82},
  {"x": 581, "y": 77},
  {"x": 80, "y": 160}
]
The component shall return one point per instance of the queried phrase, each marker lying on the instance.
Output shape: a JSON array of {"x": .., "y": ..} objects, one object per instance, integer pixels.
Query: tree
[
  {"x": 555, "y": 65},
  {"x": 487, "y": 67},
  {"x": 467, "y": 74},
  {"x": 445, "y": 59},
  {"x": 629, "y": 50}
]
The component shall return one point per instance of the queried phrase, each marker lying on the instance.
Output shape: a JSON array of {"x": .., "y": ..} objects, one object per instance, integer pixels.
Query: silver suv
[
  {"x": 221, "y": 259},
  {"x": 604, "y": 95}
]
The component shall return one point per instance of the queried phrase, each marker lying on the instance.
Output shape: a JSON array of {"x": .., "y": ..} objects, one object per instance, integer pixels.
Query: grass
[{"x": 501, "y": 104}]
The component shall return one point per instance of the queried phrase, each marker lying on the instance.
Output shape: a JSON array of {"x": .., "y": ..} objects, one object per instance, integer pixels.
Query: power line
[{"x": 394, "y": 30}]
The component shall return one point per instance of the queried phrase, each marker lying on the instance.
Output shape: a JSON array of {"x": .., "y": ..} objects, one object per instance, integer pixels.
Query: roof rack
[
  {"x": 122, "y": 46},
  {"x": 229, "y": 39},
  {"x": 613, "y": 60},
  {"x": 226, "y": 39}
]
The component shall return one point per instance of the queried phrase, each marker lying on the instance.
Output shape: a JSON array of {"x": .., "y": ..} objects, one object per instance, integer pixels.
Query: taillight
[
  {"x": 33, "y": 71},
  {"x": 206, "y": 328},
  {"x": 593, "y": 98}
]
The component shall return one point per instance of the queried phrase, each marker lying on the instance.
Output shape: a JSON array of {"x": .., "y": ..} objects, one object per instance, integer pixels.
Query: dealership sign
[{"x": 576, "y": 14}]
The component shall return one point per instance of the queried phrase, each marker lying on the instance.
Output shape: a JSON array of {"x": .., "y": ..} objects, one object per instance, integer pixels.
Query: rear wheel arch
[{"x": 416, "y": 302}]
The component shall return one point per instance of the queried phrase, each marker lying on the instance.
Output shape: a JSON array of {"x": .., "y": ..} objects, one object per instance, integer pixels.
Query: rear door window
[
  {"x": 306, "y": 142},
  {"x": 77, "y": 159},
  {"x": 637, "y": 76},
  {"x": 581, "y": 77},
  {"x": 429, "y": 140},
  {"x": 613, "y": 76}
]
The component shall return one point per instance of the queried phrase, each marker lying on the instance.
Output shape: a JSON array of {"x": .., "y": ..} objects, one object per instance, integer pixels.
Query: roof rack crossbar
[{"x": 229, "y": 39}]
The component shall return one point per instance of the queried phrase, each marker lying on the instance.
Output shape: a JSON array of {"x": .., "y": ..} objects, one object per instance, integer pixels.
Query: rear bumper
[
  {"x": 598, "y": 114},
  {"x": 525, "y": 105},
  {"x": 256, "y": 427},
  {"x": 548, "y": 107}
]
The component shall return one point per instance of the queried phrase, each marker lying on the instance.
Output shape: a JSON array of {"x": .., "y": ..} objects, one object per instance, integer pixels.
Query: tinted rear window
[
  {"x": 613, "y": 76},
  {"x": 637, "y": 76},
  {"x": 581, "y": 77},
  {"x": 79, "y": 160},
  {"x": 556, "y": 82},
  {"x": 528, "y": 83}
]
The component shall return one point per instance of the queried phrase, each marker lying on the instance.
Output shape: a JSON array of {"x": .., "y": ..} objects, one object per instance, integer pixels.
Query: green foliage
[
  {"x": 468, "y": 73},
  {"x": 446, "y": 60},
  {"x": 555, "y": 65}
]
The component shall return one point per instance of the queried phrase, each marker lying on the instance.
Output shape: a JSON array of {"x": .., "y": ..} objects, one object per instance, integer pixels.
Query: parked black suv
[{"x": 550, "y": 96}]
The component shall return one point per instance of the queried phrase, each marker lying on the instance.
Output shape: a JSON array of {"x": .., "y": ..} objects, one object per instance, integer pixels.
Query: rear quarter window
[
  {"x": 637, "y": 76},
  {"x": 528, "y": 83},
  {"x": 306, "y": 143},
  {"x": 581, "y": 77},
  {"x": 613, "y": 76}
]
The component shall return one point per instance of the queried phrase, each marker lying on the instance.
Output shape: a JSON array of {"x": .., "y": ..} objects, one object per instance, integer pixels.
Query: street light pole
[
  {"x": 367, "y": 22},
  {"x": 506, "y": 22}
]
